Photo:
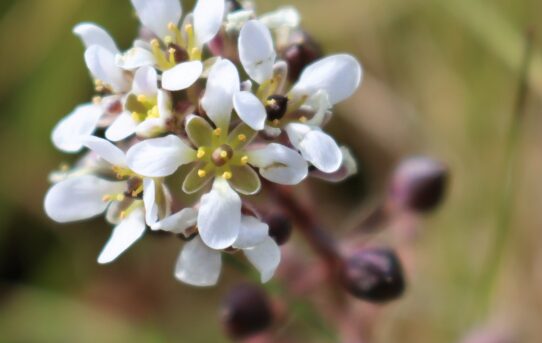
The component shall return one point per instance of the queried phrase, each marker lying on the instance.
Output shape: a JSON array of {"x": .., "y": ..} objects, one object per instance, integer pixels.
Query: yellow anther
[
  {"x": 217, "y": 131},
  {"x": 135, "y": 117},
  {"x": 271, "y": 102},
  {"x": 242, "y": 138},
  {"x": 120, "y": 197},
  {"x": 123, "y": 215},
  {"x": 136, "y": 192},
  {"x": 64, "y": 167},
  {"x": 224, "y": 154},
  {"x": 276, "y": 122},
  {"x": 303, "y": 119},
  {"x": 153, "y": 112},
  {"x": 155, "y": 43},
  {"x": 202, "y": 173},
  {"x": 106, "y": 198},
  {"x": 141, "y": 98},
  {"x": 171, "y": 27},
  {"x": 189, "y": 29},
  {"x": 227, "y": 175},
  {"x": 201, "y": 153},
  {"x": 97, "y": 100},
  {"x": 168, "y": 40},
  {"x": 244, "y": 160}
]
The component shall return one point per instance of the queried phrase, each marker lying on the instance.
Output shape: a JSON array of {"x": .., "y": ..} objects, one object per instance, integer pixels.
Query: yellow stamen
[
  {"x": 217, "y": 131},
  {"x": 153, "y": 112},
  {"x": 106, "y": 198},
  {"x": 171, "y": 27},
  {"x": 244, "y": 160},
  {"x": 120, "y": 197},
  {"x": 227, "y": 175},
  {"x": 201, "y": 153},
  {"x": 271, "y": 102},
  {"x": 141, "y": 98},
  {"x": 97, "y": 100},
  {"x": 242, "y": 137},
  {"x": 155, "y": 43},
  {"x": 123, "y": 215},
  {"x": 276, "y": 122},
  {"x": 223, "y": 154},
  {"x": 137, "y": 191},
  {"x": 303, "y": 119},
  {"x": 202, "y": 173},
  {"x": 168, "y": 40}
]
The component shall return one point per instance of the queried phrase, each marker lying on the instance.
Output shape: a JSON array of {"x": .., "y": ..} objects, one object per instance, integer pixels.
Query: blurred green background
[{"x": 441, "y": 79}]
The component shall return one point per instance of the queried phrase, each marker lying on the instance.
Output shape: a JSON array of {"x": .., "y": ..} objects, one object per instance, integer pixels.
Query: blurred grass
[{"x": 441, "y": 80}]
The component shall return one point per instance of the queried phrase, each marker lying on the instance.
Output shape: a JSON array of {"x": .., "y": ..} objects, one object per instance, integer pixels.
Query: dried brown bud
[
  {"x": 419, "y": 184},
  {"x": 246, "y": 311},
  {"x": 280, "y": 227},
  {"x": 300, "y": 53},
  {"x": 374, "y": 275}
]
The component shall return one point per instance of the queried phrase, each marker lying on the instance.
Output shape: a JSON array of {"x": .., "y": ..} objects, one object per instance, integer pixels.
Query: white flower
[
  {"x": 321, "y": 85},
  {"x": 200, "y": 265},
  {"x": 147, "y": 108},
  {"x": 85, "y": 196},
  {"x": 162, "y": 17}
]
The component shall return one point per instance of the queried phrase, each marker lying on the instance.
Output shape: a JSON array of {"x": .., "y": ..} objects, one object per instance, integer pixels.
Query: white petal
[
  {"x": 92, "y": 34},
  {"x": 165, "y": 104},
  {"x": 250, "y": 109},
  {"x": 219, "y": 216},
  {"x": 151, "y": 127},
  {"x": 69, "y": 133},
  {"x": 106, "y": 150},
  {"x": 159, "y": 157},
  {"x": 320, "y": 104},
  {"x": 145, "y": 81},
  {"x": 338, "y": 75},
  {"x": 123, "y": 127},
  {"x": 79, "y": 198},
  {"x": 286, "y": 16},
  {"x": 182, "y": 75},
  {"x": 198, "y": 265},
  {"x": 149, "y": 200},
  {"x": 256, "y": 51},
  {"x": 208, "y": 16},
  {"x": 178, "y": 222},
  {"x": 134, "y": 58},
  {"x": 348, "y": 168},
  {"x": 279, "y": 164},
  {"x": 101, "y": 63},
  {"x": 252, "y": 233},
  {"x": 265, "y": 257},
  {"x": 157, "y": 14},
  {"x": 222, "y": 83},
  {"x": 316, "y": 147},
  {"x": 124, "y": 235}
]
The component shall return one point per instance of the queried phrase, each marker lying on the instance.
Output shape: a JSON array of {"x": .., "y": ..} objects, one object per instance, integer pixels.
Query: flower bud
[
  {"x": 419, "y": 184},
  {"x": 301, "y": 52},
  {"x": 280, "y": 227},
  {"x": 246, "y": 311},
  {"x": 374, "y": 275}
]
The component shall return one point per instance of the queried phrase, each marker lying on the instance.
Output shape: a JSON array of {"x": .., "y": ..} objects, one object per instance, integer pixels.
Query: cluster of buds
[{"x": 232, "y": 96}]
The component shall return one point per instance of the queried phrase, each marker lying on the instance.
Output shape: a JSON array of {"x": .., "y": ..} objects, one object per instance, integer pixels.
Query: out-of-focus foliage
[{"x": 441, "y": 79}]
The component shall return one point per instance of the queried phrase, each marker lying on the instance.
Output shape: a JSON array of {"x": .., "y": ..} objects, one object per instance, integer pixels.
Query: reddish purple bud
[
  {"x": 301, "y": 52},
  {"x": 246, "y": 311},
  {"x": 419, "y": 184},
  {"x": 374, "y": 275},
  {"x": 280, "y": 227}
]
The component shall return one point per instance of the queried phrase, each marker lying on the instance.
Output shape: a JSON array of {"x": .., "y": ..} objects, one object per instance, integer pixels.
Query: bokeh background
[{"x": 441, "y": 79}]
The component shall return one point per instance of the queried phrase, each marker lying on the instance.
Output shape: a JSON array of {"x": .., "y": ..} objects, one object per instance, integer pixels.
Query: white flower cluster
[{"x": 176, "y": 98}]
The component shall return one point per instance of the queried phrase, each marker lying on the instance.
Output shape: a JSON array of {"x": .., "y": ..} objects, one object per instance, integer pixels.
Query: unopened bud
[
  {"x": 300, "y": 53},
  {"x": 374, "y": 275},
  {"x": 246, "y": 311},
  {"x": 419, "y": 184},
  {"x": 280, "y": 227}
]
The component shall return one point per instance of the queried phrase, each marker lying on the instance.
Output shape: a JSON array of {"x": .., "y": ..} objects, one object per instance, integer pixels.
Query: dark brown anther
[
  {"x": 299, "y": 54},
  {"x": 246, "y": 311},
  {"x": 180, "y": 54},
  {"x": 374, "y": 275},
  {"x": 222, "y": 155},
  {"x": 276, "y": 106},
  {"x": 280, "y": 227}
]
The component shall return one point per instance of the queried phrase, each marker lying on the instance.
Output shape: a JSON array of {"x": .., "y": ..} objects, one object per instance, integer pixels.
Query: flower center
[
  {"x": 275, "y": 107},
  {"x": 142, "y": 107},
  {"x": 222, "y": 155}
]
